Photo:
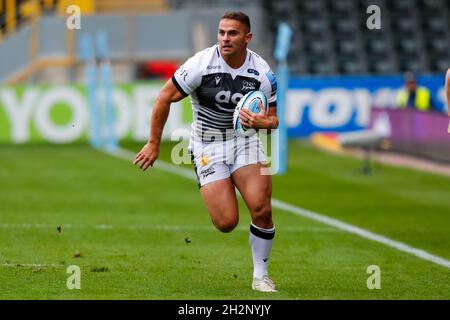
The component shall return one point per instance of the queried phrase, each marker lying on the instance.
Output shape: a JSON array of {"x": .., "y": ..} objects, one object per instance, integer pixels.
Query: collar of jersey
[{"x": 234, "y": 72}]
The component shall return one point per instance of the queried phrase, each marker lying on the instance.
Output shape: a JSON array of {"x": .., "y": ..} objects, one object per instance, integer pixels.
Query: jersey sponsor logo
[
  {"x": 256, "y": 73},
  {"x": 207, "y": 172},
  {"x": 213, "y": 67},
  {"x": 248, "y": 85},
  {"x": 225, "y": 96}
]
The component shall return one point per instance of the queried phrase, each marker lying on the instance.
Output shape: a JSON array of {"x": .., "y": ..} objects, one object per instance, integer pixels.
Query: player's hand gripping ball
[{"x": 251, "y": 102}]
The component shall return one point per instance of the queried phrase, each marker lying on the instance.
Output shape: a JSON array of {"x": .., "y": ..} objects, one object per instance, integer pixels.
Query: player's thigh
[
  {"x": 255, "y": 188},
  {"x": 220, "y": 200}
]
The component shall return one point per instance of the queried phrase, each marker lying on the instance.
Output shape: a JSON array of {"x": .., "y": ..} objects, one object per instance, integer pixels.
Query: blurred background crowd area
[{"x": 330, "y": 36}]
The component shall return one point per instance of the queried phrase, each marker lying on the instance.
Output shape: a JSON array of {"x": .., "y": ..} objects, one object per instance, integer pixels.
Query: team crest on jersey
[
  {"x": 204, "y": 160},
  {"x": 217, "y": 78}
]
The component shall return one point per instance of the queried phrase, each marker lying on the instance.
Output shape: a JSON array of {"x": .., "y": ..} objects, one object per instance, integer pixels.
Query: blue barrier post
[
  {"x": 86, "y": 54},
  {"x": 106, "y": 82},
  {"x": 282, "y": 44}
]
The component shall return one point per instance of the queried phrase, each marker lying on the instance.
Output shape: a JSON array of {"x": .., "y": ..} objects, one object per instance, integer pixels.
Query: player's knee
[
  {"x": 262, "y": 214},
  {"x": 226, "y": 225}
]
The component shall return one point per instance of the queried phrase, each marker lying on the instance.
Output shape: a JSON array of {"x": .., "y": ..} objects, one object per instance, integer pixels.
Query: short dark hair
[{"x": 239, "y": 16}]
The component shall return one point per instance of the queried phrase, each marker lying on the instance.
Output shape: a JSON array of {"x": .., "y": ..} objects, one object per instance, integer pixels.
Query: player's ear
[{"x": 248, "y": 37}]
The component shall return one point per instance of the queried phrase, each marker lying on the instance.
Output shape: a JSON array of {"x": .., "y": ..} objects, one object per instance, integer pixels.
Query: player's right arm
[
  {"x": 184, "y": 81},
  {"x": 149, "y": 153},
  {"x": 447, "y": 91}
]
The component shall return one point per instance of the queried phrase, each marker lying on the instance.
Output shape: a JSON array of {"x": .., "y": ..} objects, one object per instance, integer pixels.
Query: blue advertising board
[{"x": 340, "y": 104}]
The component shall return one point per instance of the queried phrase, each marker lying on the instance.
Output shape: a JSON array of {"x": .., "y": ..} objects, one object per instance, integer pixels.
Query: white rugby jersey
[{"x": 215, "y": 88}]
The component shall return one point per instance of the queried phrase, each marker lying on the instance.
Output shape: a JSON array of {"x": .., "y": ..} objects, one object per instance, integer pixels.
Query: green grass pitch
[{"x": 147, "y": 235}]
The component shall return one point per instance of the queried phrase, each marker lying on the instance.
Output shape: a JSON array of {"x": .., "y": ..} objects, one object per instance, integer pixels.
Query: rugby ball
[{"x": 250, "y": 102}]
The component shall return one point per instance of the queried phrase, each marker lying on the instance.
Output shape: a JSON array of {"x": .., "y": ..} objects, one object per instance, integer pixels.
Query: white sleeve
[
  {"x": 269, "y": 87},
  {"x": 188, "y": 76}
]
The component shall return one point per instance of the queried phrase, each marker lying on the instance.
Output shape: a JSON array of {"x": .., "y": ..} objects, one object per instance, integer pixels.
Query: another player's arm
[
  {"x": 447, "y": 91},
  {"x": 149, "y": 153}
]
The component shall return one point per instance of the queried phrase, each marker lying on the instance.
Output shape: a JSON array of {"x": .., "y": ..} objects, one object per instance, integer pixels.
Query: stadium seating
[{"x": 331, "y": 36}]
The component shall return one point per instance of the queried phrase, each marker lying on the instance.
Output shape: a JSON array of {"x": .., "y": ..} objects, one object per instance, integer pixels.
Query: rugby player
[{"x": 216, "y": 79}]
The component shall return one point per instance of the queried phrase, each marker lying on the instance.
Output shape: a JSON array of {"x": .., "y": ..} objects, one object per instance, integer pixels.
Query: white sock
[{"x": 261, "y": 243}]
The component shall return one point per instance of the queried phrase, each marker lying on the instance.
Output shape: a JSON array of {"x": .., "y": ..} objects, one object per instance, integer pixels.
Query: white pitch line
[
  {"x": 361, "y": 232},
  {"x": 419, "y": 253}
]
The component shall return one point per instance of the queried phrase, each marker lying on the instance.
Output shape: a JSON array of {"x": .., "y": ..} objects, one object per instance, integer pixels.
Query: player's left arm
[{"x": 261, "y": 120}]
